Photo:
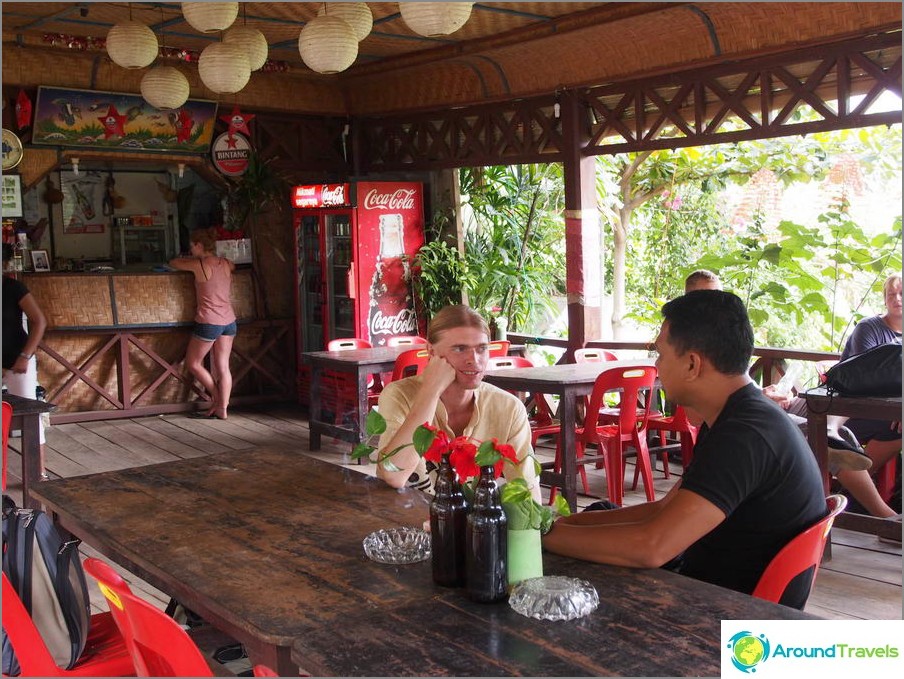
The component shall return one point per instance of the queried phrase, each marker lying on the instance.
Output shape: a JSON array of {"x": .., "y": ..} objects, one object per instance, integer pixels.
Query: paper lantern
[
  {"x": 165, "y": 87},
  {"x": 327, "y": 44},
  {"x": 357, "y": 14},
  {"x": 131, "y": 44},
  {"x": 251, "y": 41},
  {"x": 224, "y": 68},
  {"x": 433, "y": 19},
  {"x": 209, "y": 17}
]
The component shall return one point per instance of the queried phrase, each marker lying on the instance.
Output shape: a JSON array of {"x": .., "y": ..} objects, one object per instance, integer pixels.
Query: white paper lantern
[
  {"x": 327, "y": 44},
  {"x": 433, "y": 19},
  {"x": 357, "y": 14},
  {"x": 209, "y": 17},
  {"x": 224, "y": 68},
  {"x": 165, "y": 87},
  {"x": 131, "y": 44},
  {"x": 251, "y": 41}
]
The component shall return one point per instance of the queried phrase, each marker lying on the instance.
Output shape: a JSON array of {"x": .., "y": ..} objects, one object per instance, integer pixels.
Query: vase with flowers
[{"x": 463, "y": 464}]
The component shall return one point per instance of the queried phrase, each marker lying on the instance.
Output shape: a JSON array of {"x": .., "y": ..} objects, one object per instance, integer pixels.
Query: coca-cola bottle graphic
[{"x": 391, "y": 304}]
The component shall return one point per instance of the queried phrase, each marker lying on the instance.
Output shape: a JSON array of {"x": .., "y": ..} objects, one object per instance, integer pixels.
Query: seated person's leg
[
  {"x": 881, "y": 439},
  {"x": 860, "y": 485}
]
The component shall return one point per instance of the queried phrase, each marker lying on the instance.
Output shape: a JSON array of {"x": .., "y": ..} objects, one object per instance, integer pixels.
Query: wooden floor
[{"x": 862, "y": 580}]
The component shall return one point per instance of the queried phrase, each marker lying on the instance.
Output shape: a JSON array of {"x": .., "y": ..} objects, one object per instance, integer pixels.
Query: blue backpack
[{"x": 47, "y": 574}]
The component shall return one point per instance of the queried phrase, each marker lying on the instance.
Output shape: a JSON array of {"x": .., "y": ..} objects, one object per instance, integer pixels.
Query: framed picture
[
  {"x": 12, "y": 195},
  {"x": 40, "y": 260}
]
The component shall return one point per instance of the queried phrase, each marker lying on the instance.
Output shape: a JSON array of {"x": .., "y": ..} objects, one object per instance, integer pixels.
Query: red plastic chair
[
  {"x": 592, "y": 355},
  {"x": 344, "y": 386},
  {"x": 676, "y": 423},
  {"x": 542, "y": 422},
  {"x": 499, "y": 348},
  {"x": 636, "y": 386},
  {"x": 348, "y": 343},
  {"x": 105, "y": 654},
  {"x": 803, "y": 552},
  {"x": 405, "y": 340},
  {"x": 410, "y": 362},
  {"x": 886, "y": 478},
  {"x": 7, "y": 418}
]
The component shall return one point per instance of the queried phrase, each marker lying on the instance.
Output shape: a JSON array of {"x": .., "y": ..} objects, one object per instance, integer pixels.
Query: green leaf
[
  {"x": 388, "y": 465},
  {"x": 487, "y": 454},
  {"x": 374, "y": 423},
  {"x": 423, "y": 438},
  {"x": 362, "y": 450}
]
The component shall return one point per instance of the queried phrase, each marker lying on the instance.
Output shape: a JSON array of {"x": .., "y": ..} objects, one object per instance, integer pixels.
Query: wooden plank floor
[{"x": 862, "y": 580}]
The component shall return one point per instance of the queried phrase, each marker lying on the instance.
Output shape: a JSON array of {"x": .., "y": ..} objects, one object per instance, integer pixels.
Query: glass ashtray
[
  {"x": 398, "y": 545},
  {"x": 554, "y": 597}
]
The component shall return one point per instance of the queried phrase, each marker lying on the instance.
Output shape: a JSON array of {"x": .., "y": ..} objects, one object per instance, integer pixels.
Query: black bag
[
  {"x": 876, "y": 372},
  {"x": 47, "y": 574}
]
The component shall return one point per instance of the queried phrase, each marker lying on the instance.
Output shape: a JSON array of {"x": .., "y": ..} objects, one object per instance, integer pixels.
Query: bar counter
[{"x": 115, "y": 342}]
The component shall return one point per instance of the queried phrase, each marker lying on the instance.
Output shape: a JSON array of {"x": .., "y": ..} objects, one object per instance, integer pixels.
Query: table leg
[
  {"x": 569, "y": 466},
  {"x": 819, "y": 443},
  {"x": 316, "y": 413},
  {"x": 31, "y": 457},
  {"x": 277, "y": 658},
  {"x": 361, "y": 377}
]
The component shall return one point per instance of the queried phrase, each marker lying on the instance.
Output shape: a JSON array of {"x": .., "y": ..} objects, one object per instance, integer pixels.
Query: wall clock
[{"x": 12, "y": 150}]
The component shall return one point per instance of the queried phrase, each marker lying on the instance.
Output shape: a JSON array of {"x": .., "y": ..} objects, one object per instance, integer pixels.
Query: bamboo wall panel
[
  {"x": 154, "y": 299},
  {"x": 72, "y": 299},
  {"x": 77, "y": 349}
]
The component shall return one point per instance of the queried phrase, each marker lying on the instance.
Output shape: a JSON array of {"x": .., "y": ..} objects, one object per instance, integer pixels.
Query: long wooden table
[
  {"x": 27, "y": 418},
  {"x": 568, "y": 381},
  {"x": 819, "y": 406},
  {"x": 361, "y": 363},
  {"x": 266, "y": 546}
]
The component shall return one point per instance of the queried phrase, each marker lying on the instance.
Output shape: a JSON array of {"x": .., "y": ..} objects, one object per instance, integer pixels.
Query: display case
[{"x": 138, "y": 241}]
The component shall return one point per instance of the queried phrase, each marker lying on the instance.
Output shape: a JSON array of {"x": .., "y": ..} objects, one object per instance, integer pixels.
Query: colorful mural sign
[{"x": 116, "y": 120}]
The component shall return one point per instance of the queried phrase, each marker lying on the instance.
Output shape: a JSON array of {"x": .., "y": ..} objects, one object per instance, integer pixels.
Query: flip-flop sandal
[{"x": 200, "y": 415}]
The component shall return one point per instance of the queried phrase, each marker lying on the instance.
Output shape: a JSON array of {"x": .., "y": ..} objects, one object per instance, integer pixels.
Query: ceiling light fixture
[
  {"x": 327, "y": 44},
  {"x": 165, "y": 87},
  {"x": 357, "y": 14},
  {"x": 251, "y": 41},
  {"x": 433, "y": 19},
  {"x": 210, "y": 17},
  {"x": 131, "y": 44},
  {"x": 224, "y": 68}
]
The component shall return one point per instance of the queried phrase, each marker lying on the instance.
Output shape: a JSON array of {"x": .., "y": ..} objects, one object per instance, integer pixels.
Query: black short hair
[
  {"x": 714, "y": 323},
  {"x": 7, "y": 252}
]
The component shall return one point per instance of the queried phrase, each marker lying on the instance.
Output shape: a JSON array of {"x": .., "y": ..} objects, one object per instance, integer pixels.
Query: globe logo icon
[{"x": 748, "y": 651}]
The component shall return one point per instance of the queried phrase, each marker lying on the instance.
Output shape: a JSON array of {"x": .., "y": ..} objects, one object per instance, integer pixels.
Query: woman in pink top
[{"x": 215, "y": 325}]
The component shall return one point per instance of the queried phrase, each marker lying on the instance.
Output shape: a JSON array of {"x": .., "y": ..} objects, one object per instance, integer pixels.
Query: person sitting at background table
[
  {"x": 20, "y": 368},
  {"x": 450, "y": 394},
  {"x": 752, "y": 486},
  {"x": 215, "y": 321}
]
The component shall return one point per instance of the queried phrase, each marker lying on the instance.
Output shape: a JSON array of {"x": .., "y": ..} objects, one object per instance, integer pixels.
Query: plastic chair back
[
  {"x": 504, "y": 362},
  {"x": 630, "y": 381},
  {"x": 348, "y": 343},
  {"x": 7, "y": 418},
  {"x": 105, "y": 654},
  {"x": 591, "y": 355},
  {"x": 158, "y": 645},
  {"x": 410, "y": 362},
  {"x": 803, "y": 552},
  {"x": 499, "y": 348},
  {"x": 405, "y": 340}
]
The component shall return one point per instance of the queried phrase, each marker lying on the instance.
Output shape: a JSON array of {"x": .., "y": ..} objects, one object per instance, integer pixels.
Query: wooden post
[{"x": 583, "y": 285}]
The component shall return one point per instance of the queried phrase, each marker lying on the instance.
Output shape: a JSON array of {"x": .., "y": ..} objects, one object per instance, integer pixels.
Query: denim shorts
[{"x": 209, "y": 332}]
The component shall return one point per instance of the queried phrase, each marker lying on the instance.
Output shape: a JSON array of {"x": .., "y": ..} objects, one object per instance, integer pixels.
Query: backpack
[
  {"x": 47, "y": 574},
  {"x": 876, "y": 372}
]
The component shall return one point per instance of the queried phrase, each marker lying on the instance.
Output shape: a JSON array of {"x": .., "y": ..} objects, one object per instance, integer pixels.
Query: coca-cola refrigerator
[{"x": 355, "y": 244}]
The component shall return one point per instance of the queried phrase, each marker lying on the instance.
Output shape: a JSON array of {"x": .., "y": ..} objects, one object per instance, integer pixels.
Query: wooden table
[
  {"x": 568, "y": 381},
  {"x": 27, "y": 418},
  {"x": 360, "y": 362},
  {"x": 819, "y": 406},
  {"x": 266, "y": 546}
]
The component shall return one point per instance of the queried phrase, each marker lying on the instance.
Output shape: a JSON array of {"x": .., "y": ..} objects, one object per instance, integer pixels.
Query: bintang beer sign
[{"x": 231, "y": 153}]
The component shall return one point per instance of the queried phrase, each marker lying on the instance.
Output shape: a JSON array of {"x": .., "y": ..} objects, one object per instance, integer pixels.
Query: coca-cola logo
[
  {"x": 400, "y": 199},
  {"x": 402, "y": 323},
  {"x": 333, "y": 195}
]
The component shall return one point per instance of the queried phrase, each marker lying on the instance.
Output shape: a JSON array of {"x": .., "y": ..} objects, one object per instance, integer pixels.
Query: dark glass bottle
[
  {"x": 448, "y": 520},
  {"x": 487, "y": 547}
]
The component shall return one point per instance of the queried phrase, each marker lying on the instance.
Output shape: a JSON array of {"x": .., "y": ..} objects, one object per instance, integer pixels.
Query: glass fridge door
[
  {"x": 310, "y": 284},
  {"x": 341, "y": 316}
]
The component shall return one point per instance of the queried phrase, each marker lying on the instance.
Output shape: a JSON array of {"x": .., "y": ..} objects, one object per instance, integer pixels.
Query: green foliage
[
  {"x": 441, "y": 274},
  {"x": 522, "y": 512},
  {"x": 260, "y": 188}
]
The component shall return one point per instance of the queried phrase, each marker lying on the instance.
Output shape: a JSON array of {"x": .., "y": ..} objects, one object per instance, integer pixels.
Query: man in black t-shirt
[{"x": 752, "y": 486}]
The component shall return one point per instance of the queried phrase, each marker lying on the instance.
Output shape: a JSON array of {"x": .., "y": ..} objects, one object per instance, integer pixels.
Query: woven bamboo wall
[{"x": 72, "y": 299}]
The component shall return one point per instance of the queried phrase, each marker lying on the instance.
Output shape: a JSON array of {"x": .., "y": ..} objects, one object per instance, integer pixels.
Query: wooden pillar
[{"x": 583, "y": 286}]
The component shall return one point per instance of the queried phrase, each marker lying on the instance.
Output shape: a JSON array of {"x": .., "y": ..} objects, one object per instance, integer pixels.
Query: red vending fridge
[{"x": 355, "y": 244}]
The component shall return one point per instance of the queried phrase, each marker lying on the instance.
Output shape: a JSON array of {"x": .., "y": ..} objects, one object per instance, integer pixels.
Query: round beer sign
[{"x": 231, "y": 153}]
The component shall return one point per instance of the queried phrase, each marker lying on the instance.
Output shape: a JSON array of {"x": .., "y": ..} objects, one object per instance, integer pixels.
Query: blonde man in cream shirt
[{"x": 450, "y": 394}]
